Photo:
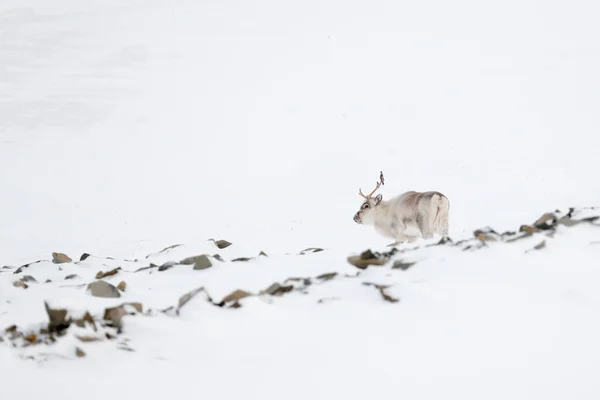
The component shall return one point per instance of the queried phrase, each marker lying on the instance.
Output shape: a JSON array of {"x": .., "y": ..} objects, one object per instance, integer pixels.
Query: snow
[{"x": 130, "y": 126}]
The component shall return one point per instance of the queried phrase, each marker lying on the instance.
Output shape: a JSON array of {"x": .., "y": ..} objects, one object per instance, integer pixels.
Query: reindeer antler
[{"x": 381, "y": 182}]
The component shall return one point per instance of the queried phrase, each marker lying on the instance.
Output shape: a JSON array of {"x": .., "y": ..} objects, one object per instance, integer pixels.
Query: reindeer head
[{"x": 365, "y": 213}]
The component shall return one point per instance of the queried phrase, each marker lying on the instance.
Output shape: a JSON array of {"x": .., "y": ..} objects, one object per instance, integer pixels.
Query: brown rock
[
  {"x": 276, "y": 289},
  {"x": 221, "y": 244},
  {"x": 121, "y": 286},
  {"x": 382, "y": 289},
  {"x": 235, "y": 296},
  {"x": 546, "y": 221},
  {"x": 116, "y": 314},
  {"x": 328, "y": 276},
  {"x": 365, "y": 259},
  {"x": 183, "y": 300},
  {"x": 57, "y": 317},
  {"x": 79, "y": 353},
  {"x": 101, "y": 274},
  {"x": 60, "y": 258}
]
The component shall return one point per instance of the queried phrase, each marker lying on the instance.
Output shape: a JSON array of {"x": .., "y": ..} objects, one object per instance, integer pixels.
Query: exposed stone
[
  {"x": 234, "y": 297},
  {"x": 102, "y": 274},
  {"x": 200, "y": 262},
  {"x": 84, "y": 256},
  {"x": 399, "y": 264},
  {"x": 276, "y": 289},
  {"x": 20, "y": 284},
  {"x": 79, "y": 353},
  {"x": 57, "y": 317},
  {"x": 311, "y": 250},
  {"x": 183, "y": 300},
  {"x": 242, "y": 259},
  {"x": 121, "y": 286},
  {"x": 166, "y": 266},
  {"x": 103, "y": 289},
  {"x": 365, "y": 259},
  {"x": 29, "y": 278},
  {"x": 221, "y": 244},
  {"x": 218, "y": 257},
  {"x": 263, "y": 254},
  {"x": 382, "y": 289},
  {"x": 115, "y": 314},
  {"x": 71, "y": 276},
  {"x": 546, "y": 221},
  {"x": 327, "y": 276},
  {"x": 60, "y": 258}
]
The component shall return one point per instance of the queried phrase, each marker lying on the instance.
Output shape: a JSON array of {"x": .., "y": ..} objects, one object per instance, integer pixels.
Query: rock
[
  {"x": 242, "y": 259},
  {"x": 199, "y": 262},
  {"x": 79, "y": 353},
  {"x": 87, "y": 318},
  {"x": 71, "y": 276},
  {"x": 58, "y": 319},
  {"x": 60, "y": 258},
  {"x": 166, "y": 266},
  {"x": 262, "y": 253},
  {"x": 402, "y": 265},
  {"x": 28, "y": 278},
  {"x": 103, "y": 289},
  {"x": 84, "y": 256},
  {"x": 101, "y": 274},
  {"x": 276, "y": 289},
  {"x": 382, "y": 289},
  {"x": 546, "y": 221},
  {"x": 121, "y": 286},
  {"x": 183, "y": 300},
  {"x": 328, "y": 276},
  {"x": 365, "y": 259},
  {"x": 234, "y": 297},
  {"x": 221, "y": 244},
  {"x": 145, "y": 268},
  {"x": 487, "y": 235},
  {"x": 311, "y": 250},
  {"x": 529, "y": 229},
  {"x": 20, "y": 284},
  {"x": 48, "y": 281},
  {"x": 115, "y": 314},
  {"x": 218, "y": 257}
]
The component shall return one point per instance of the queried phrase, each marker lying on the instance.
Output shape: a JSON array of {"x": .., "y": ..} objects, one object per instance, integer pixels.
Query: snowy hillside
[{"x": 130, "y": 126}]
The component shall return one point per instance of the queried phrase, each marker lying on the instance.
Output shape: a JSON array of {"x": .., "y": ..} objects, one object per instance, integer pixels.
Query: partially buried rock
[
  {"x": 115, "y": 314},
  {"x": 234, "y": 298},
  {"x": 399, "y": 264},
  {"x": 546, "y": 221},
  {"x": 71, "y": 276},
  {"x": 166, "y": 266},
  {"x": 29, "y": 278},
  {"x": 365, "y": 259},
  {"x": 84, "y": 256},
  {"x": 103, "y": 289},
  {"x": 276, "y": 289},
  {"x": 221, "y": 244},
  {"x": 20, "y": 284},
  {"x": 60, "y": 258},
  {"x": 121, "y": 286},
  {"x": 102, "y": 274},
  {"x": 79, "y": 353},
  {"x": 57, "y": 317},
  {"x": 199, "y": 262}
]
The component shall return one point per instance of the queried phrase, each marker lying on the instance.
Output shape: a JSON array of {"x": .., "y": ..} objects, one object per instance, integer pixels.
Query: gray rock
[
  {"x": 29, "y": 278},
  {"x": 103, "y": 289},
  {"x": 72, "y": 276},
  {"x": 199, "y": 262}
]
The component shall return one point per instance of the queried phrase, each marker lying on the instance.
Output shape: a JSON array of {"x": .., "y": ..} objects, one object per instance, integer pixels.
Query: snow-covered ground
[{"x": 127, "y": 126}]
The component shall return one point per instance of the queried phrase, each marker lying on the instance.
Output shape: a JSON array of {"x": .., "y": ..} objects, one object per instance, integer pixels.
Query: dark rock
[
  {"x": 79, "y": 353},
  {"x": 221, "y": 244},
  {"x": 28, "y": 278},
  {"x": 218, "y": 257},
  {"x": 71, "y": 276},
  {"x": 242, "y": 259},
  {"x": 382, "y": 289},
  {"x": 311, "y": 250},
  {"x": 327, "y": 276},
  {"x": 263, "y": 254},
  {"x": 103, "y": 289},
  {"x": 166, "y": 266},
  {"x": 84, "y": 256}
]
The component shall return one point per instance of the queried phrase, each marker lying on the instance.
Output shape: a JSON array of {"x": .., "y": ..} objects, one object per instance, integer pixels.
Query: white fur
[{"x": 407, "y": 217}]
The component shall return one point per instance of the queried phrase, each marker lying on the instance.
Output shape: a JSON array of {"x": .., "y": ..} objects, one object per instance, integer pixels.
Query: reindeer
[{"x": 405, "y": 217}]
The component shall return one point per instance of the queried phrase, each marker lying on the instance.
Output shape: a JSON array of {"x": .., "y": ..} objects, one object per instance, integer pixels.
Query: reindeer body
[{"x": 406, "y": 217}]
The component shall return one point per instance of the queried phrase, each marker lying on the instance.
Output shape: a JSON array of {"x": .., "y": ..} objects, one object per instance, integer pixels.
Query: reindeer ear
[{"x": 378, "y": 198}]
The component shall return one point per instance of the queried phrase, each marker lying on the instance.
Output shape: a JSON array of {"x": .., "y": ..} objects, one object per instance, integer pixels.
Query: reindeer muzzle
[{"x": 357, "y": 218}]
